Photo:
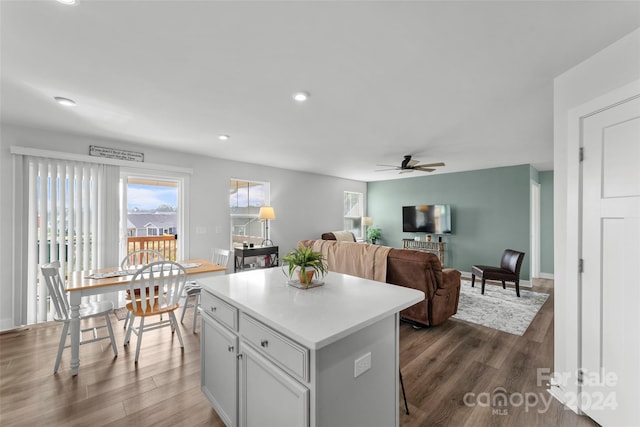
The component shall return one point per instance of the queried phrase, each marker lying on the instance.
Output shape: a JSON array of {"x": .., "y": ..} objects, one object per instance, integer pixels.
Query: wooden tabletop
[{"x": 79, "y": 280}]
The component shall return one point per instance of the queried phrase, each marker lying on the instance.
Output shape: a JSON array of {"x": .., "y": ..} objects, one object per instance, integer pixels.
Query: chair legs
[
  {"x": 196, "y": 310},
  {"x": 174, "y": 323},
  {"x": 406, "y": 407},
  {"x": 140, "y": 329},
  {"x": 111, "y": 336},
  {"x": 65, "y": 332},
  {"x": 63, "y": 340},
  {"x": 504, "y": 286},
  {"x": 196, "y": 305}
]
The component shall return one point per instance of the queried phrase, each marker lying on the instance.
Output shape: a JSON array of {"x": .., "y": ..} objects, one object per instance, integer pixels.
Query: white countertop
[{"x": 314, "y": 317}]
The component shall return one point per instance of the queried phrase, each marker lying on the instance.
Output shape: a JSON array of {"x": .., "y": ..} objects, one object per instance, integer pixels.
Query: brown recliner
[
  {"x": 509, "y": 270},
  {"x": 421, "y": 271}
]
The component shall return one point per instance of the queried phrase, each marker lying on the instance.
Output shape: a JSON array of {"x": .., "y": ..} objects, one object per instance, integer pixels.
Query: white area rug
[{"x": 499, "y": 308}]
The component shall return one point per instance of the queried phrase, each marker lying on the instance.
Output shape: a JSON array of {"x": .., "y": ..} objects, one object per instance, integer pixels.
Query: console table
[
  {"x": 437, "y": 248},
  {"x": 269, "y": 252}
]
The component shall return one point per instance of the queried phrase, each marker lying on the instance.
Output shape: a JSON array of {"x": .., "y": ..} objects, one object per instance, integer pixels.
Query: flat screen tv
[{"x": 433, "y": 219}]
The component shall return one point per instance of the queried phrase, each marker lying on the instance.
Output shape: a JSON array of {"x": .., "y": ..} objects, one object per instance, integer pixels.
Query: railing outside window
[{"x": 166, "y": 245}]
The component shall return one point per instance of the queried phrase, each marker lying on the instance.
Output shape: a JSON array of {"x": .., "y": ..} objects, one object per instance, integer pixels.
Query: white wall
[
  {"x": 306, "y": 205},
  {"x": 610, "y": 69}
]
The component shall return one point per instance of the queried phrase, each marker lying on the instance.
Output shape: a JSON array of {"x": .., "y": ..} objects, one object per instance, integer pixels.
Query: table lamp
[
  {"x": 368, "y": 222},
  {"x": 266, "y": 214}
]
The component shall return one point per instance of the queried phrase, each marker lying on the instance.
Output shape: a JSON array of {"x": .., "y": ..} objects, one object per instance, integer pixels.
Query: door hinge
[
  {"x": 580, "y": 265},
  {"x": 580, "y": 376},
  {"x": 581, "y": 155}
]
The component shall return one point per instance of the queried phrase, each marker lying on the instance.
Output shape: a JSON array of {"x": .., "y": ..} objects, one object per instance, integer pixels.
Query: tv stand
[{"x": 437, "y": 248}]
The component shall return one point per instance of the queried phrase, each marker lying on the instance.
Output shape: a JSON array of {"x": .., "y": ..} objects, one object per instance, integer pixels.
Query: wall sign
[{"x": 115, "y": 153}]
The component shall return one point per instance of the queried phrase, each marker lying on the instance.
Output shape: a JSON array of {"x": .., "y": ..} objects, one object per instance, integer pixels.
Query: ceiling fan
[{"x": 409, "y": 165}]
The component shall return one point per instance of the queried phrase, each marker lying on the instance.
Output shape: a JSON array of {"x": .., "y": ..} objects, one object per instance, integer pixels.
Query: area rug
[{"x": 499, "y": 308}]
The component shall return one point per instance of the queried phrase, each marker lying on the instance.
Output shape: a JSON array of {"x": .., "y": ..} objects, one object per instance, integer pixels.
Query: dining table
[{"x": 106, "y": 280}]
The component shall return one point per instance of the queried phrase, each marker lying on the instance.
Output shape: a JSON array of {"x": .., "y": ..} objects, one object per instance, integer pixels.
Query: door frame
[
  {"x": 565, "y": 385},
  {"x": 535, "y": 229},
  {"x": 183, "y": 200}
]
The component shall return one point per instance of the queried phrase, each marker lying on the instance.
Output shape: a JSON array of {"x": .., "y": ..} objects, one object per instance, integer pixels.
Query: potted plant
[
  {"x": 373, "y": 234},
  {"x": 307, "y": 263}
]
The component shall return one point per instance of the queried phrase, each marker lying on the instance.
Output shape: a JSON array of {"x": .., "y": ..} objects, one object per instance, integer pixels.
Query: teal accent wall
[
  {"x": 546, "y": 222},
  {"x": 490, "y": 212}
]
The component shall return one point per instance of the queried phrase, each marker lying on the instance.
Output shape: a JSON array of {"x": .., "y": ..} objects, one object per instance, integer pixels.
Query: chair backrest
[
  {"x": 140, "y": 257},
  {"x": 57, "y": 291},
  {"x": 512, "y": 261},
  {"x": 220, "y": 256},
  {"x": 161, "y": 282}
]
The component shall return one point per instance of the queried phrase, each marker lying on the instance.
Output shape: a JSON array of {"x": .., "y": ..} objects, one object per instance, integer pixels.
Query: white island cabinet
[{"x": 274, "y": 355}]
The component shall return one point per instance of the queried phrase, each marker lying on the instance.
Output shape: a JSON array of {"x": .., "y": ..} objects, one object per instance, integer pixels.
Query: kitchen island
[{"x": 276, "y": 355}]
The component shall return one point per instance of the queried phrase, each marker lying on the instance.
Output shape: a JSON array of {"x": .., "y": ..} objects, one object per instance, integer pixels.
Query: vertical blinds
[{"x": 72, "y": 211}]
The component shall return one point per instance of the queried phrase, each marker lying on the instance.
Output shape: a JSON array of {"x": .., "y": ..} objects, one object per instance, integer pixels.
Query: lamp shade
[
  {"x": 367, "y": 220},
  {"x": 266, "y": 212}
]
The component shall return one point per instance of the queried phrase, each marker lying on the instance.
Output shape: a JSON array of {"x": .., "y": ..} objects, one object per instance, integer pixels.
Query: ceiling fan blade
[
  {"x": 431, "y": 165},
  {"x": 382, "y": 170},
  {"x": 389, "y": 166},
  {"x": 420, "y": 168},
  {"x": 406, "y": 171},
  {"x": 412, "y": 163}
]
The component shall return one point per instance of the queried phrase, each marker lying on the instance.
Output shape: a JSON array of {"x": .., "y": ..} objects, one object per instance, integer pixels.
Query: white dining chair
[
  {"x": 158, "y": 288},
  {"x": 135, "y": 260},
  {"x": 193, "y": 289},
  {"x": 58, "y": 295}
]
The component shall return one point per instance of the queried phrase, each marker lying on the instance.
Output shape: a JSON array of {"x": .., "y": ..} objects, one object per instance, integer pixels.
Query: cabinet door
[
  {"x": 269, "y": 396},
  {"x": 219, "y": 369}
]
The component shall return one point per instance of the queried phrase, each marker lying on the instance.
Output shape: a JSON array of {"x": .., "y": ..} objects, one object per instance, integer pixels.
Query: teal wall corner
[{"x": 490, "y": 212}]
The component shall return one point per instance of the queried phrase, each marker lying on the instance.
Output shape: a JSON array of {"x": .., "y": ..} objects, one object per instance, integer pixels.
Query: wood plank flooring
[{"x": 439, "y": 365}]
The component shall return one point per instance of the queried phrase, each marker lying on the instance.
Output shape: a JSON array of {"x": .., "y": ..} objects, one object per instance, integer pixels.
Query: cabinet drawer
[
  {"x": 218, "y": 309},
  {"x": 280, "y": 349}
]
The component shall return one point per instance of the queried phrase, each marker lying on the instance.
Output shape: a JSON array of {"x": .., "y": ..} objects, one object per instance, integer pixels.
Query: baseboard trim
[{"x": 547, "y": 276}]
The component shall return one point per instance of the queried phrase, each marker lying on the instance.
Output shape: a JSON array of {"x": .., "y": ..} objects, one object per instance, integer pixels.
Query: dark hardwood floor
[{"x": 440, "y": 366}]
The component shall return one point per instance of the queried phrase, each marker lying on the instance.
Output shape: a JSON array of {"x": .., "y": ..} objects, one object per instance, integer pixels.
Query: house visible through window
[
  {"x": 353, "y": 211},
  {"x": 245, "y": 200},
  {"x": 152, "y": 214}
]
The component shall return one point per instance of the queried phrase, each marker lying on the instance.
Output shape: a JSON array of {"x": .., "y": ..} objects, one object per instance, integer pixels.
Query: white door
[{"x": 610, "y": 296}]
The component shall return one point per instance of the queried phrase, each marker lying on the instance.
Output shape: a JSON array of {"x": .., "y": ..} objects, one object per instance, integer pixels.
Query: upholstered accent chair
[{"x": 509, "y": 270}]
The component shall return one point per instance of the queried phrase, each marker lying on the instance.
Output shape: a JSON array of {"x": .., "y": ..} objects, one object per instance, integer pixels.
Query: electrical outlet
[
  {"x": 361, "y": 365},
  {"x": 201, "y": 230}
]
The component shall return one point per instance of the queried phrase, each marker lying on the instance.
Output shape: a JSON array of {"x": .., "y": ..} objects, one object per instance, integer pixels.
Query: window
[
  {"x": 152, "y": 213},
  {"x": 68, "y": 203},
  {"x": 245, "y": 200},
  {"x": 353, "y": 212}
]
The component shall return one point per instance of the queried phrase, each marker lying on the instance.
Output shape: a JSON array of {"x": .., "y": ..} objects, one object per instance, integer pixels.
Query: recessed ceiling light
[
  {"x": 301, "y": 96},
  {"x": 65, "y": 101},
  {"x": 67, "y": 1},
  {"x": 223, "y": 137}
]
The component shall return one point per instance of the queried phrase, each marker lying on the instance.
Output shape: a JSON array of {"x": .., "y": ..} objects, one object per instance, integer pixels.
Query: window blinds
[{"x": 72, "y": 217}]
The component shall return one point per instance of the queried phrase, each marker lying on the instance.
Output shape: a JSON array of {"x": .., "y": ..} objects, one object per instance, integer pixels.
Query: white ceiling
[{"x": 467, "y": 83}]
